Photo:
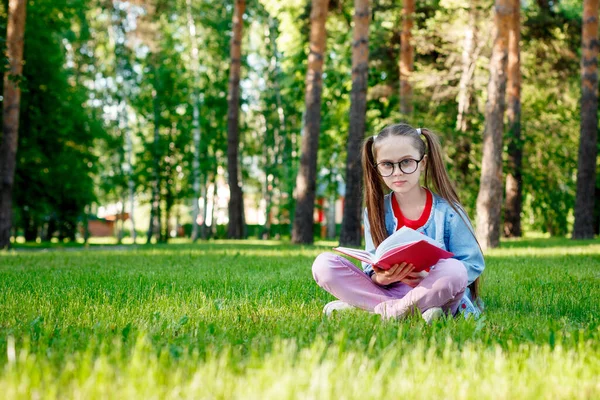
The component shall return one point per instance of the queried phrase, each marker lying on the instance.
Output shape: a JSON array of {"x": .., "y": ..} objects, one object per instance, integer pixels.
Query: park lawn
[{"x": 243, "y": 319}]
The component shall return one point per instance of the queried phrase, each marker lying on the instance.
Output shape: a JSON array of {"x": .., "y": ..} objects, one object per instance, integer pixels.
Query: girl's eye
[
  {"x": 407, "y": 163},
  {"x": 387, "y": 164}
]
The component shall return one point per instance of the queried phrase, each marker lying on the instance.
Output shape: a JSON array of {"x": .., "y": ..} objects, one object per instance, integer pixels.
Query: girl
[{"x": 396, "y": 158}]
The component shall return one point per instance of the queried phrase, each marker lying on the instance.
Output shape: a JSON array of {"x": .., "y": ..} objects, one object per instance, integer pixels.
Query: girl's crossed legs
[{"x": 443, "y": 287}]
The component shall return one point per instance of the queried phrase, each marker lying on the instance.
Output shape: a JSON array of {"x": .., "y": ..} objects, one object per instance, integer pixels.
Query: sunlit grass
[{"x": 243, "y": 319}]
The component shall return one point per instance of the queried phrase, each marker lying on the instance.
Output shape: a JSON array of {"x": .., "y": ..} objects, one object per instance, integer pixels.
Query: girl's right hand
[{"x": 397, "y": 273}]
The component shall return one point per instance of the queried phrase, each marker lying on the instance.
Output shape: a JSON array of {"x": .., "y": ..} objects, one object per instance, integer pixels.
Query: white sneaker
[
  {"x": 336, "y": 305},
  {"x": 432, "y": 314}
]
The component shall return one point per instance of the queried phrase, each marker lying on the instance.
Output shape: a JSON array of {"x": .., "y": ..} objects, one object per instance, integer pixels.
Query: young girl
[{"x": 396, "y": 158}]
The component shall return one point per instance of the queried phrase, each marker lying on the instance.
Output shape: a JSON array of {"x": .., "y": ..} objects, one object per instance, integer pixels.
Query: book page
[
  {"x": 401, "y": 237},
  {"x": 361, "y": 255}
]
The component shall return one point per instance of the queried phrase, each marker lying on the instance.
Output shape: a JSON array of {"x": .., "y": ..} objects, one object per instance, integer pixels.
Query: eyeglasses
[{"x": 407, "y": 166}]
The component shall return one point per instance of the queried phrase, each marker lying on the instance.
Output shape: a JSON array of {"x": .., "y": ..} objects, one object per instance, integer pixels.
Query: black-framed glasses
[{"x": 407, "y": 166}]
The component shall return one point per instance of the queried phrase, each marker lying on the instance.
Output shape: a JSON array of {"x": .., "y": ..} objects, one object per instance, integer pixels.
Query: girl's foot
[
  {"x": 336, "y": 305},
  {"x": 432, "y": 314}
]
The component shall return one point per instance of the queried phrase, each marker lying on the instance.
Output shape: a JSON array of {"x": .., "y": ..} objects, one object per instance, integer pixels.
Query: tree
[
  {"x": 514, "y": 180},
  {"x": 195, "y": 63},
  {"x": 470, "y": 52},
  {"x": 351, "y": 223},
  {"x": 11, "y": 106},
  {"x": 302, "y": 231},
  {"x": 406, "y": 57},
  {"x": 588, "y": 151},
  {"x": 236, "y": 228},
  {"x": 489, "y": 199}
]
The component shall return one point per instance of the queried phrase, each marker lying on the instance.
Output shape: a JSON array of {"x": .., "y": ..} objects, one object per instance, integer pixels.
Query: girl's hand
[
  {"x": 414, "y": 278},
  {"x": 398, "y": 273}
]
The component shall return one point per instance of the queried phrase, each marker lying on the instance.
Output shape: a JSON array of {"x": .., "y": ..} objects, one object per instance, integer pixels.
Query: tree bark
[
  {"x": 236, "y": 201},
  {"x": 513, "y": 203},
  {"x": 11, "y": 106},
  {"x": 155, "y": 214},
  {"x": 130, "y": 184},
  {"x": 406, "y": 57},
  {"x": 489, "y": 199},
  {"x": 465, "y": 96},
  {"x": 588, "y": 152},
  {"x": 196, "y": 118},
  {"x": 351, "y": 234},
  {"x": 302, "y": 231}
]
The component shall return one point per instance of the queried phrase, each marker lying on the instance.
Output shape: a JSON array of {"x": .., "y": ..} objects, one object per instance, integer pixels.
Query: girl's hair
[{"x": 436, "y": 178}]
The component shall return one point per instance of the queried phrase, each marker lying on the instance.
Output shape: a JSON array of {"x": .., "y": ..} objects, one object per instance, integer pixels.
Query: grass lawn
[{"x": 224, "y": 320}]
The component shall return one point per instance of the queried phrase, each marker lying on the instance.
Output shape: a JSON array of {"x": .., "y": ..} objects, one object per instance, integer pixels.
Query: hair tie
[{"x": 419, "y": 131}]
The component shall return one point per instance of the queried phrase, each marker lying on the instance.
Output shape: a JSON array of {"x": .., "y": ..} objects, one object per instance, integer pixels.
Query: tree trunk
[
  {"x": 155, "y": 216},
  {"x": 196, "y": 118},
  {"x": 331, "y": 225},
  {"x": 131, "y": 186},
  {"x": 513, "y": 204},
  {"x": 11, "y": 105},
  {"x": 120, "y": 222},
  {"x": 281, "y": 140},
  {"x": 468, "y": 61},
  {"x": 351, "y": 234},
  {"x": 489, "y": 199},
  {"x": 203, "y": 230},
  {"x": 235, "y": 229},
  {"x": 406, "y": 57},
  {"x": 302, "y": 231},
  {"x": 470, "y": 54},
  {"x": 586, "y": 171}
]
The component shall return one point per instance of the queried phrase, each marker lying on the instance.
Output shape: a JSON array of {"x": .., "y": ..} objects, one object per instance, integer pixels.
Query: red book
[{"x": 404, "y": 245}]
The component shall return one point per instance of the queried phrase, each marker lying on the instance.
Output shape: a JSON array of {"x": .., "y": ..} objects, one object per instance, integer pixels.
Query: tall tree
[
  {"x": 588, "y": 151},
  {"x": 236, "y": 201},
  {"x": 11, "y": 106},
  {"x": 351, "y": 232},
  {"x": 470, "y": 52},
  {"x": 406, "y": 57},
  {"x": 154, "y": 226},
  {"x": 302, "y": 231},
  {"x": 514, "y": 180},
  {"x": 489, "y": 199},
  {"x": 195, "y": 63}
]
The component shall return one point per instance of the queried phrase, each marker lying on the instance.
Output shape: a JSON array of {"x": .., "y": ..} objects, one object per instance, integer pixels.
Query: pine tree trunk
[
  {"x": 236, "y": 201},
  {"x": 588, "y": 152},
  {"x": 489, "y": 199},
  {"x": 11, "y": 106},
  {"x": 406, "y": 57},
  {"x": 196, "y": 118},
  {"x": 513, "y": 204},
  {"x": 351, "y": 234},
  {"x": 302, "y": 231}
]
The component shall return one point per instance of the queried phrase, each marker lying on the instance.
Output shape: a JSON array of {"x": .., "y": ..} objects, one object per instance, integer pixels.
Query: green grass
[{"x": 243, "y": 320}]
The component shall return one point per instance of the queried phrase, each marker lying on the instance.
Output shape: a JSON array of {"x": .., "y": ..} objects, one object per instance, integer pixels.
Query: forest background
[{"x": 130, "y": 103}]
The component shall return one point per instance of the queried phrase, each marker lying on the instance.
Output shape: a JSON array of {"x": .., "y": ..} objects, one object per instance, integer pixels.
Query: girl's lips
[{"x": 399, "y": 182}]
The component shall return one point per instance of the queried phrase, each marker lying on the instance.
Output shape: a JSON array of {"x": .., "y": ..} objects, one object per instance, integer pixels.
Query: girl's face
[{"x": 394, "y": 150}]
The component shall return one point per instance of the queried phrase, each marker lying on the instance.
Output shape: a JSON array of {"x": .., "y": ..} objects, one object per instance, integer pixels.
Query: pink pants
[{"x": 443, "y": 287}]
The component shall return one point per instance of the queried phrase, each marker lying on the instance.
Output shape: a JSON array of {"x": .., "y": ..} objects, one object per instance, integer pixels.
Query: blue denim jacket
[{"x": 452, "y": 233}]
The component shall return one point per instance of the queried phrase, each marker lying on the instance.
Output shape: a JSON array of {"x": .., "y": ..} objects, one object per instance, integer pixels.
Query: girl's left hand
[{"x": 414, "y": 278}]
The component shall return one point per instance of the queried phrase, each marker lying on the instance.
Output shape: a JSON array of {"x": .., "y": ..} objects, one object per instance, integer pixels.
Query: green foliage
[
  {"x": 86, "y": 62},
  {"x": 242, "y": 319},
  {"x": 55, "y": 159}
]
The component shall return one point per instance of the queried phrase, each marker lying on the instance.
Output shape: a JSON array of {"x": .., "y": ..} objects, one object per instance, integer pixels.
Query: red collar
[{"x": 413, "y": 223}]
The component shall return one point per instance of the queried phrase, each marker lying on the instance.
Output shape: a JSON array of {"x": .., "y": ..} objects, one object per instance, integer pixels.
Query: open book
[{"x": 404, "y": 245}]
